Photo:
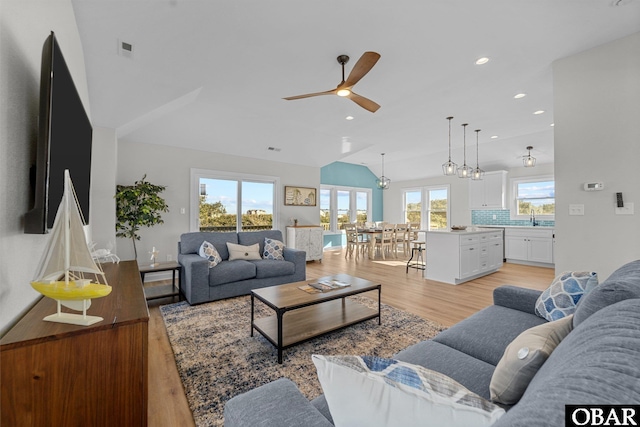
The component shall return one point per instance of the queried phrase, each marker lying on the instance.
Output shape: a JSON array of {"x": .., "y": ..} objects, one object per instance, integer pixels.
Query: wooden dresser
[{"x": 55, "y": 374}]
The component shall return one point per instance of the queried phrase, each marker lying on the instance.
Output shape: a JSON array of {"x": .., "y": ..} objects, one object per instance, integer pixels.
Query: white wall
[
  {"x": 171, "y": 167},
  {"x": 24, "y": 26},
  {"x": 597, "y": 138},
  {"x": 104, "y": 165}
]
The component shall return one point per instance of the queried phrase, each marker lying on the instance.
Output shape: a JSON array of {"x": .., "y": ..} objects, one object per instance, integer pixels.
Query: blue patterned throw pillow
[
  {"x": 208, "y": 251},
  {"x": 560, "y": 299},
  {"x": 273, "y": 249}
]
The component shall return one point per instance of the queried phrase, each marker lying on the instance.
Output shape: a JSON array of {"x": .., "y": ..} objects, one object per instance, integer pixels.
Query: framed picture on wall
[{"x": 299, "y": 196}]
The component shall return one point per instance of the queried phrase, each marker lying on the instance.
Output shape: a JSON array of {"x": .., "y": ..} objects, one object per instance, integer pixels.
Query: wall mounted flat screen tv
[{"x": 64, "y": 142}]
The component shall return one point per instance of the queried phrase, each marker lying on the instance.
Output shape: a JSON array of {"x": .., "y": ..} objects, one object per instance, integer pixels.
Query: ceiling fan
[{"x": 362, "y": 67}]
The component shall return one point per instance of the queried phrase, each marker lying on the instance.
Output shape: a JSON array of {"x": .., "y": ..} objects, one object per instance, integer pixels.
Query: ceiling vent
[{"x": 125, "y": 49}]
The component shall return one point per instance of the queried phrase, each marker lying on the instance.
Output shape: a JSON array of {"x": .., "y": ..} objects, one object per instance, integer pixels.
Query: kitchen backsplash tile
[{"x": 485, "y": 217}]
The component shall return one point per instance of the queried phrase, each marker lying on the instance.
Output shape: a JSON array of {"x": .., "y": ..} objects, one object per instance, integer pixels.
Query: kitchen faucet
[{"x": 533, "y": 218}]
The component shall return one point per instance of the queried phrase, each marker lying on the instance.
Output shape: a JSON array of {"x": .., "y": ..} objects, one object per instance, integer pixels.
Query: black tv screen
[{"x": 64, "y": 142}]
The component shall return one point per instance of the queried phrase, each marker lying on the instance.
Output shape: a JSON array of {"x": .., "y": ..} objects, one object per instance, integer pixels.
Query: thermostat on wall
[{"x": 593, "y": 186}]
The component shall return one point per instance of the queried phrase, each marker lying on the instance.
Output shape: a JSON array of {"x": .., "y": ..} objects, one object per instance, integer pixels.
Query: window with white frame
[
  {"x": 225, "y": 201},
  {"x": 533, "y": 195},
  {"x": 344, "y": 205},
  {"x": 428, "y": 206}
]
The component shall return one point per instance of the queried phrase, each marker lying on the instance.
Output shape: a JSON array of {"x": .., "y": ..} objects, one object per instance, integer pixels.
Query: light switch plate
[
  {"x": 626, "y": 210},
  {"x": 576, "y": 209}
]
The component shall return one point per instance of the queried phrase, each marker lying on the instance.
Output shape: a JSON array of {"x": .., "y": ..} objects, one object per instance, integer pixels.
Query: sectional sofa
[
  {"x": 202, "y": 283},
  {"x": 598, "y": 362}
]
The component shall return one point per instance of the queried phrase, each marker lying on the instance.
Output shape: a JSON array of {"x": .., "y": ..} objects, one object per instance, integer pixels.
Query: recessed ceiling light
[
  {"x": 519, "y": 95},
  {"x": 552, "y": 124},
  {"x": 494, "y": 137},
  {"x": 538, "y": 112},
  {"x": 482, "y": 61},
  {"x": 349, "y": 118}
]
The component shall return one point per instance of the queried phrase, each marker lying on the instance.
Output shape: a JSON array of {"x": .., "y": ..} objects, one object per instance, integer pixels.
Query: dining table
[{"x": 371, "y": 234}]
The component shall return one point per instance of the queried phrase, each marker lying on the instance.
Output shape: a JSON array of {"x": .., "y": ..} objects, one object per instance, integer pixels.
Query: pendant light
[
  {"x": 465, "y": 171},
  {"x": 449, "y": 168},
  {"x": 477, "y": 174},
  {"x": 383, "y": 182},
  {"x": 529, "y": 161}
]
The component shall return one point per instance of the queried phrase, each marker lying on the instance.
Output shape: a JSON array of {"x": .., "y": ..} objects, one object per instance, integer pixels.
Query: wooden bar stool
[{"x": 419, "y": 263}]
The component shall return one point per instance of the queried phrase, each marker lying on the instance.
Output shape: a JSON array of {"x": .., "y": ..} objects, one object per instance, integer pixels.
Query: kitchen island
[{"x": 457, "y": 256}]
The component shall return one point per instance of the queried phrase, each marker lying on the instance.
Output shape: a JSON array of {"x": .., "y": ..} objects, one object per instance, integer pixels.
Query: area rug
[{"x": 218, "y": 359}]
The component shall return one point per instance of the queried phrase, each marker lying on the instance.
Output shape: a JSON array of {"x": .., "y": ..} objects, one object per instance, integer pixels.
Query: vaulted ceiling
[{"x": 211, "y": 75}]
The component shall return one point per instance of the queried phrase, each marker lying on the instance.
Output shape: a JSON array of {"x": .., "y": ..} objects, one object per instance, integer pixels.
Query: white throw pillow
[
  {"x": 371, "y": 391},
  {"x": 243, "y": 252},
  {"x": 208, "y": 251},
  {"x": 523, "y": 357}
]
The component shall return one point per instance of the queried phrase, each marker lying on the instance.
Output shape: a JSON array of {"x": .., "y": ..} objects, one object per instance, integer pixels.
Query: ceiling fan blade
[
  {"x": 365, "y": 103},
  {"x": 362, "y": 67},
  {"x": 309, "y": 95}
]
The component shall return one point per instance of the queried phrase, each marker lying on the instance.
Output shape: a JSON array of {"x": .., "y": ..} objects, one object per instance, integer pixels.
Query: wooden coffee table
[{"x": 310, "y": 315}]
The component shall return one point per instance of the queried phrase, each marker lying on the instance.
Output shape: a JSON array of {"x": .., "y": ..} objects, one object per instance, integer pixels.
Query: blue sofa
[
  {"x": 598, "y": 362},
  {"x": 234, "y": 278}
]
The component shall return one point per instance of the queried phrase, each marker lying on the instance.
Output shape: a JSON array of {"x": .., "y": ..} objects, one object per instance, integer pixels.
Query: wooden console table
[{"x": 55, "y": 374}]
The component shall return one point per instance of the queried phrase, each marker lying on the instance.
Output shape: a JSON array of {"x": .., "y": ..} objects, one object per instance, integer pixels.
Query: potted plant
[{"x": 138, "y": 205}]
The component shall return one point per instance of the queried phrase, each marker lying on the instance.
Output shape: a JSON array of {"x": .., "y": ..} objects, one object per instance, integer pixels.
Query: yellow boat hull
[{"x": 69, "y": 292}]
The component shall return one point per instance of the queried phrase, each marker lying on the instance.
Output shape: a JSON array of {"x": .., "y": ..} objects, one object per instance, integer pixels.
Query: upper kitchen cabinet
[{"x": 490, "y": 192}]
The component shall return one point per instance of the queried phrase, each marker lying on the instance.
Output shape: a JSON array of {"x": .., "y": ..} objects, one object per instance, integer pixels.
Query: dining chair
[
  {"x": 385, "y": 241},
  {"x": 401, "y": 237}
]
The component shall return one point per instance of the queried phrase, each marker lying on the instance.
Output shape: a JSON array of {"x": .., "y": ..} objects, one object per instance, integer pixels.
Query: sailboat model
[{"x": 66, "y": 269}]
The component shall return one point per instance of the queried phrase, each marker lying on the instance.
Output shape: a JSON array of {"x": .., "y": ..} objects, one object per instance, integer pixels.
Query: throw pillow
[
  {"x": 273, "y": 249},
  {"x": 523, "y": 357},
  {"x": 371, "y": 391},
  {"x": 560, "y": 299},
  {"x": 208, "y": 251},
  {"x": 243, "y": 252}
]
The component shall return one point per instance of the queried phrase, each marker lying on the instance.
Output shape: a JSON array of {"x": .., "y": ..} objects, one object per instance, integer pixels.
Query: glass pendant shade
[
  {"x": 477, "y": 174},
  {"x": 449, "y": 168},
  {"x": 383, "y": 182},
  {"x": 529, "y": 161},
  {"x": 465, "y": 171}
]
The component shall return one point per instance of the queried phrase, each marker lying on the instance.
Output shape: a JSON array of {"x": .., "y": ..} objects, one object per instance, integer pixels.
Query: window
[
  {"x": 222, "y": 201},
  {"x": 344, "y": 205},
  {"x": 535, "y": 195},
  {"x": 428, "y": 206}
]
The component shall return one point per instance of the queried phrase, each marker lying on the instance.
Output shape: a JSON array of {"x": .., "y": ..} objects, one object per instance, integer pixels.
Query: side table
[{"x": 162, "y": 291}]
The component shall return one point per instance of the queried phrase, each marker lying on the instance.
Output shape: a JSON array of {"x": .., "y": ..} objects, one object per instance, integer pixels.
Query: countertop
[
  {"x": 514, "y": 226},
  {"x": 469, "y": 230}
]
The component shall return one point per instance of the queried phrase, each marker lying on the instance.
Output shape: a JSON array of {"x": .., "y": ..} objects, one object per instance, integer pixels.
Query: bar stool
[{"x": 419, "y": 263}]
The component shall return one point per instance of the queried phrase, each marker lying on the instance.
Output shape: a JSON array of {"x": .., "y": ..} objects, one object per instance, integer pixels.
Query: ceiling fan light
[{"x": 343, "y": 92}]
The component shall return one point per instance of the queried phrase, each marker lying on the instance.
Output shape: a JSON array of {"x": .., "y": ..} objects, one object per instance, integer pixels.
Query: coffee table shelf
[
  {"x": 310, "y": 315},
  {"x": 313, "y": 321}
]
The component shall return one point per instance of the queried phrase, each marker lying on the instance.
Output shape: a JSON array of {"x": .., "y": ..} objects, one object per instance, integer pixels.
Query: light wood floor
[{"x": 440, "y": 302}]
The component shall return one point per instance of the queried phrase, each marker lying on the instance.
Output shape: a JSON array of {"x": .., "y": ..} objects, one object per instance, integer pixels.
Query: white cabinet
[
  {"x": 456, "y": 257},
  {"x": 527, "y": 245},
  {"x": 488, "y": 193},
  {"x": 308, "y": 238}
]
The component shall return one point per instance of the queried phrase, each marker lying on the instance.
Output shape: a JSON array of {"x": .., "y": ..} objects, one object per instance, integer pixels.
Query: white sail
[{"x": 67, "y": 250}]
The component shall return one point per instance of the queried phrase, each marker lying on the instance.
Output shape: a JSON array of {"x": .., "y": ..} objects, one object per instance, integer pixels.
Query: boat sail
[{"x": 67, "y": 266}]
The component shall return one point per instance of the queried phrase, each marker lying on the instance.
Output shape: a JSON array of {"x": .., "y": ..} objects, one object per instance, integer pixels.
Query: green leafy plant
[{"x": 138, "y": 205}]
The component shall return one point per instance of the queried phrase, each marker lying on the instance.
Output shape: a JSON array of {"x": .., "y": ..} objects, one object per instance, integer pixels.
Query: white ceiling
[{"x": 211, "y": 75}]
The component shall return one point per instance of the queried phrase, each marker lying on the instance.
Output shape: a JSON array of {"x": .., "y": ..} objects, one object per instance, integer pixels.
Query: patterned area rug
[{"x": 217, "y": 359}]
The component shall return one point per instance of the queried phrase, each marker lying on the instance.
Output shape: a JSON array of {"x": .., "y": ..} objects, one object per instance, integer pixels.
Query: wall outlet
[
  {"x": 169, "y": 257},
  {"x": 495, "y": 217}
]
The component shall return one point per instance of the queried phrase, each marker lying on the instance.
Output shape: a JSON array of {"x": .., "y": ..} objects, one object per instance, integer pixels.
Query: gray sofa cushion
[
  {"x": 248, "y": 238},
  {"x": 273, "y": 268},
  {"x": 624, "y": 283},
  {"x": 190, "y": 242},
  {"x": 475, "y": 336},
  {"x": 276, "y": 404},
  {"x": 231, "y": 271},
  {"x": 597, "y": 363},
  {"x": 472, "y": 373}
]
